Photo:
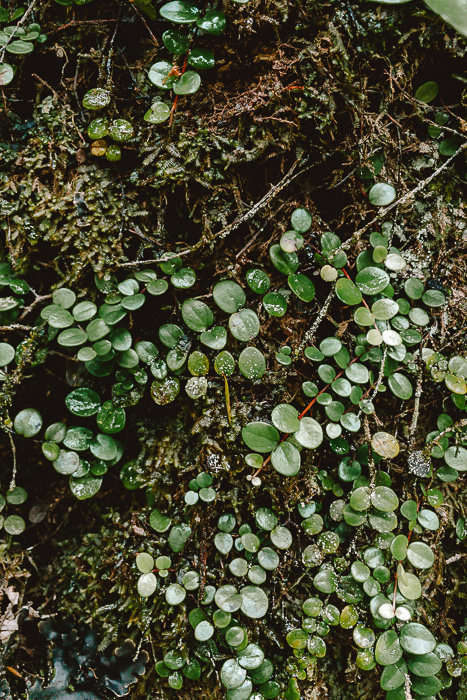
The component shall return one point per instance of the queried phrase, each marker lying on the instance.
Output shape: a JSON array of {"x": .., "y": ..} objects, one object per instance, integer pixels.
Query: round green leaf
[
  {"x": 180, "y": 12},
  {"x": 83, "y": 402},
  {"x": 281, "y": 537},
  {"x": 201, "y": 59},
  {"x": 6, "y": 74},
  {"x": 72, "y": 337},
  {"x": 400, "y": 386},
  {"x": 382, "y": 194},
  {"x": 213, "y": 22},
  {"x": 410, "y": 586},
  {"x": 254, "y": 602},
  {"x": 229, "y": 296},
  {"x": 309, "y": 434},
  {"x": 384, "y": 499},
  {"x": 456, "y": 458},
  {"x": 121, "y": 130},
  {"x": 301, "y": 220},
  {"x": 433, "y": 298},
  {"x": 66, "y": 462},
  {"x": 285, "y": 418},
  {"x": 224, "y": 363},
  {"x": 364, "y": 637},
  {"x": 260, "y": 437},
  {"x": 251, "y": 657},
  {"x": 257, "y": 280},
  {"x": 232, "y": 675},
  {"x": 158, "y": 113},
  {"x": 158, "y": 521},
  {"x": 372, "y": 280},
  {"x": 348, "y": 292},
  {"x": 158, "y": 73},
  {"x": 176, "y": 42},
  {"x": 178, "y": 537},
  {"x": 291, "y": 241},
  {"x": 427, "y": 92},
  {"x": 16, "y": 496},
  {"x": 7, "y": 354},
  {"x": 147, "y": 584},
  {"x": 265, "y": 519},
  {"x": 325, "y": 581},
  {"x": 360, "y": 498},
  {"x": 14, "y": 524},
  {"x": 144, "y": 562},
  {"x": 175, "y": 594},
  {"x": 64, "y": 297},
  {"x": 424, "y": 665},
  {"x": 214, "y": 338},
  {"x": 223, "y": 541},
  {"x": 287, "y": 263},
  {"x": 188, "y": 84},
  {"x": 28, "y": 422},
  {"x": 97, "y": 98},
  {"x": 286, "y": 459},
  {"x": 18, "y": 46},
  {"x": 197, "y": 315},
  {"x": 415, "y": 638},
  {"x": 384, "y": 309},
  {"x": 59, "y": 317},
  {"x": 385, "y": 445},
  {"x": 420, "y": 555},
  {"x": 393, "y": 676},
  {"x": 399, "y": 547},
  {"x": 104, "y": 447},
  {"x": 252, "y": 363},
  {"x": 244, "y": 325},
  {"x": 388, "y": 650},
  {"x": 228, "y": 599},
  {"x": 414, "y": 288},
  {"x": 428, "y": 519},
  {"x": 301, "y": 286}
]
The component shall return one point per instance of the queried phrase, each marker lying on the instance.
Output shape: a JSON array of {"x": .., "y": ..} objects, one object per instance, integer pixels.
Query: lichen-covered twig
[
  {"x": 381, "y": 374},
  {"x": 460, "y": 424},
  {"x": 371, "y": 464},
  {"x": 416, "y": 408},
  {"x": 13, "y": 474},
  {"x": 309, "y": 337}
]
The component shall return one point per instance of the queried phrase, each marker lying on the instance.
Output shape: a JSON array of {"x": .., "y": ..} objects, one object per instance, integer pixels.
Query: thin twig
[
  {"x": 450, "y": 429},
  {"x": 416, "y": 408},
  {"x": 109, "y": 57},
  {"x": 371, "y": 464},
  {"x": 407, "y": 686},
  {"x": 309, "y": 337},
  {"x": 13, "y": 475},
  {"x": 36, "y": 301},
  {"x": 16, "y": 327},
  {"x": 142, "y": 18},
  {"x": 75, "y": 23},
  {"x": 381, "y": 373}
]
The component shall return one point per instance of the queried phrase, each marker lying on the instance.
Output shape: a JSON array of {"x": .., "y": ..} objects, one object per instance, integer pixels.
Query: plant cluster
[{"x": 373, "y": 591}]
